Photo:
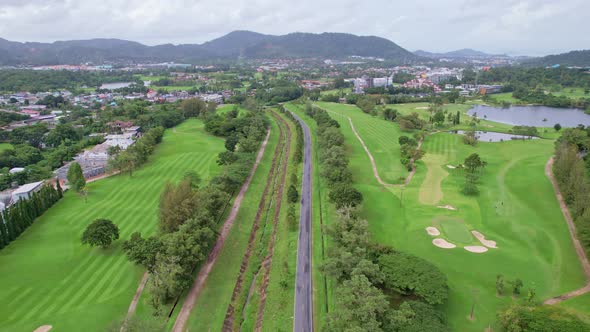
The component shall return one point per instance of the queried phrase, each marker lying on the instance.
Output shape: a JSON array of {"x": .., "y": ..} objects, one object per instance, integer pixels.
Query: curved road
[{"x": 303, "y": 318}]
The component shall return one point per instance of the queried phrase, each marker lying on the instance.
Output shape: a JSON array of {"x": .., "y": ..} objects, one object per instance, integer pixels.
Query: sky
[{"x": 515, "y": 27}]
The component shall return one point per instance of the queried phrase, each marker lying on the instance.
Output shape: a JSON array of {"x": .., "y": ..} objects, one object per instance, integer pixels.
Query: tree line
[
  {"x": 571, "y": 168},
  {"x": 333, "y": 159},
  {"x": 189, "y": 213},
  {"x": 20, "y": 215}
]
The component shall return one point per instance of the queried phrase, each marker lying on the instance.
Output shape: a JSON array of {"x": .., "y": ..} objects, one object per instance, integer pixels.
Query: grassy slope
[
  {"x": 516, "y": 207},
  {"x": 210, "y": 308},
  {"x": 280, "y": 300},
  {"x": 48, "y": 277}
]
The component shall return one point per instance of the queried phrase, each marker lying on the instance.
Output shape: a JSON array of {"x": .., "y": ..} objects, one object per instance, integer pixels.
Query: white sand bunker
[
  {"x": 43, "y": 328},
  {"x": 422, "y": 108},
  {"x": 482, "y": 239},
  {"x": 448, "y": 207},
  {"x": 451, "y": 166},
  {"x": 432, "y": 231},
  {"x": 476, "y": 249},
  {"x": 442, "y": 243}
]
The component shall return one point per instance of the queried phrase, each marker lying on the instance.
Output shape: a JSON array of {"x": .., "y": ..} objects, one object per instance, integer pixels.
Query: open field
[
  {"x": 222, "y": 109},
  {"x": 342, "y": 92},
  {"x": 78, "y": 288},
  {"x": 516, "y": 207},
  {"x": 574, "y": 93},
  {"x": 174, "y": 88}
]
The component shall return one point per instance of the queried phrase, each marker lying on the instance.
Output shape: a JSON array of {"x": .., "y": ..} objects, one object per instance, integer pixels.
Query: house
[{"x": 25, "y": 191}]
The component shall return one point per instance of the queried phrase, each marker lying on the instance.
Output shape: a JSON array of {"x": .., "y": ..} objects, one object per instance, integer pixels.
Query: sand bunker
[
  {"x": 442, "y": 243},
  {"x": 422, "y": 108},
  {"x": 476, "y": 249},
  {"x": 43, "y": 328},
  {"x": 432, "y": 231},
  {"x": 448, "y": 207},
  {"x": 482, "y": 239},
  {"x": 451, "y": 166}
]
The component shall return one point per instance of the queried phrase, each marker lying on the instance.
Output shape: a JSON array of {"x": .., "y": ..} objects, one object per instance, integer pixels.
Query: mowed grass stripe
[{"x": 80, "y": 282}]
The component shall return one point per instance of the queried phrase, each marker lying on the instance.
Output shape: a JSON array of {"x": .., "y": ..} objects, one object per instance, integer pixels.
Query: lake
[
  {"x": 114, "y": 86},
  {"x": 490, "y": 136},
  {"x": 538, "y": 116}
]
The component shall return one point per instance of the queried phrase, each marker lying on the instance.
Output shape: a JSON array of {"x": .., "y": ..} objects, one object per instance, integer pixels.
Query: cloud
[{"x": 513, "y": 26}]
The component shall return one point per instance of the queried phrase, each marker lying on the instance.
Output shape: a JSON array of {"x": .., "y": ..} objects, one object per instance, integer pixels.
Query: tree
[
  {"x": 470, "y": 138},
  {"x": 473, "y": 164},
  {"x": 345, "y": 195},
  {"x": 557, "y": 127},
  {"x": 292, "y": 194},
  {"x": 359, "y": 306},
  {"x": 143, "y": 251},
  {"x": 438, "y": 117},
  {"x": 500, "y": 284},
  {"x": 516, "y": 286},
  {"x": 407, "y": 274},
  {"x": 101, "y": 232},
  {"x": 177, "y": 204},
  {"x": 75, "y": 177}
]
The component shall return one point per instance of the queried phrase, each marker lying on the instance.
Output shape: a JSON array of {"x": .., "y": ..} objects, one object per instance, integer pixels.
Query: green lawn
[
  {"x": 516, "y": 207},
  {"x": 5, "y": 146},
  {"x": 174, "y": 88},
  {"x": 574, "y": 93},
  {"x": 222, "y": 109},
  {"x": 48, "y": 277}
]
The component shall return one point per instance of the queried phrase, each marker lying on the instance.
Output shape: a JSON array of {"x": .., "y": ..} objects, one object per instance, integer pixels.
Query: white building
[
  {"x": 25, "y": 191},
  {"x": 122, "y": 140}
]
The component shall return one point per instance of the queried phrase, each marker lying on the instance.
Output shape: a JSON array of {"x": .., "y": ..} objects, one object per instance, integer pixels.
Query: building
[
  {"x": 25, "y": 191},
  {"x": 122, "y": 140}
]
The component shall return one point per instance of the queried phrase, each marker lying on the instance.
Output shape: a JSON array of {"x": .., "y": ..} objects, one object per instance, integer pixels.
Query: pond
[
  {"x": 538, "y": 116},
  {"x": 114, "y": 86},
  {"x": 490, "y": 136}
]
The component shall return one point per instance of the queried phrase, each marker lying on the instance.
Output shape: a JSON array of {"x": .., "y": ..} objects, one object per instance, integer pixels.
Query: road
[{"x": 303, "y": 317}]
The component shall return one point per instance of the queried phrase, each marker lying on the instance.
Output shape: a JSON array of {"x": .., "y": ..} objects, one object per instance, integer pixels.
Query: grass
[
  {"x": 339, "y": 92},
  {"x": 382, "y": 135},
  {"x": 222, "y": 109},
  {"x": 211, "y": 305},
  {"x": 575, "y": 93},
  {"x": 516, "y": 207},
  {"x": 48, "y": 277},
  {"x": 5, "y": 146},
  {"x": 174, "y": 88}
]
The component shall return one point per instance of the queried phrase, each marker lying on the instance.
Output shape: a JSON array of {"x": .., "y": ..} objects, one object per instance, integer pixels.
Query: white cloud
[{"x": 513, "y": 26}]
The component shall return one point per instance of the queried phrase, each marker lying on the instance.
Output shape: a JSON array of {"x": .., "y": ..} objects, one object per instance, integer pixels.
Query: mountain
[
  {"x": 570, "y": 59},
  {"x": 328, "y": 45},
  {"x": 236, "y": 44},
  {"x": 462, "y": 53}
]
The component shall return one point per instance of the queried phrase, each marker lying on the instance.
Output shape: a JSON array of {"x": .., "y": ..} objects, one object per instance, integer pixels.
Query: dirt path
[
  {"x": 228, "y": 323},
  {"x": 267, "y": 263},
  {"x": 572, "y": 229},
  {"x": 135, "y": 300},
  {"x": 189, "y": 302},
  {"x": 374, "y": 165}
]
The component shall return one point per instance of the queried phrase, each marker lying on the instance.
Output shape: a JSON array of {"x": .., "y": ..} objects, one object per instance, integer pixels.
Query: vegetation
[
  {"x": 22, "y": 214},
  {"x": 75, "y": 177},
  {"x": 539, "y": 318},
  {"x": 101, "y": 232}
]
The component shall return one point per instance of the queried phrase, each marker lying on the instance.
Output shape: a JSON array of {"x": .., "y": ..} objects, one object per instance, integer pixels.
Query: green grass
[
  {"x": 5, "y": 146},
  {"x": 574, "y": 93},
  {"x": 174, "y": 88},
  {"x": 48, "y": 277},
  {"x": 516, "y": 207},
  {"x": 222, "y": 109},
  {"x": 382, "y": 135},
  {"x": 336, "y": 91},
  {"x": 211, "y": 306}
]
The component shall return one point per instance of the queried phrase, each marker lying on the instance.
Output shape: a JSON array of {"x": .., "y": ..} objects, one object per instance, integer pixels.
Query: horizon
[
  {"x": 441, "y": 51},
  {"x": 515, "y": 27}
]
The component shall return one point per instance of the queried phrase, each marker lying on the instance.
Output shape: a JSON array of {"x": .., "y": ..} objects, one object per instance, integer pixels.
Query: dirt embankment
[
  {"x": 228, "y": 323},
  {"x": 267, "y": 263}
]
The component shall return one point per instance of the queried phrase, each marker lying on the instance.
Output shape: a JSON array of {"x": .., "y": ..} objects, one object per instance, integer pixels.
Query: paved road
[{"x": 303, "y": 319}]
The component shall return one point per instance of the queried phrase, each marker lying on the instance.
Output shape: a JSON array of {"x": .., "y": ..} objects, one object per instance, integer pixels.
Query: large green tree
[{"x": 101, "y": 232}]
